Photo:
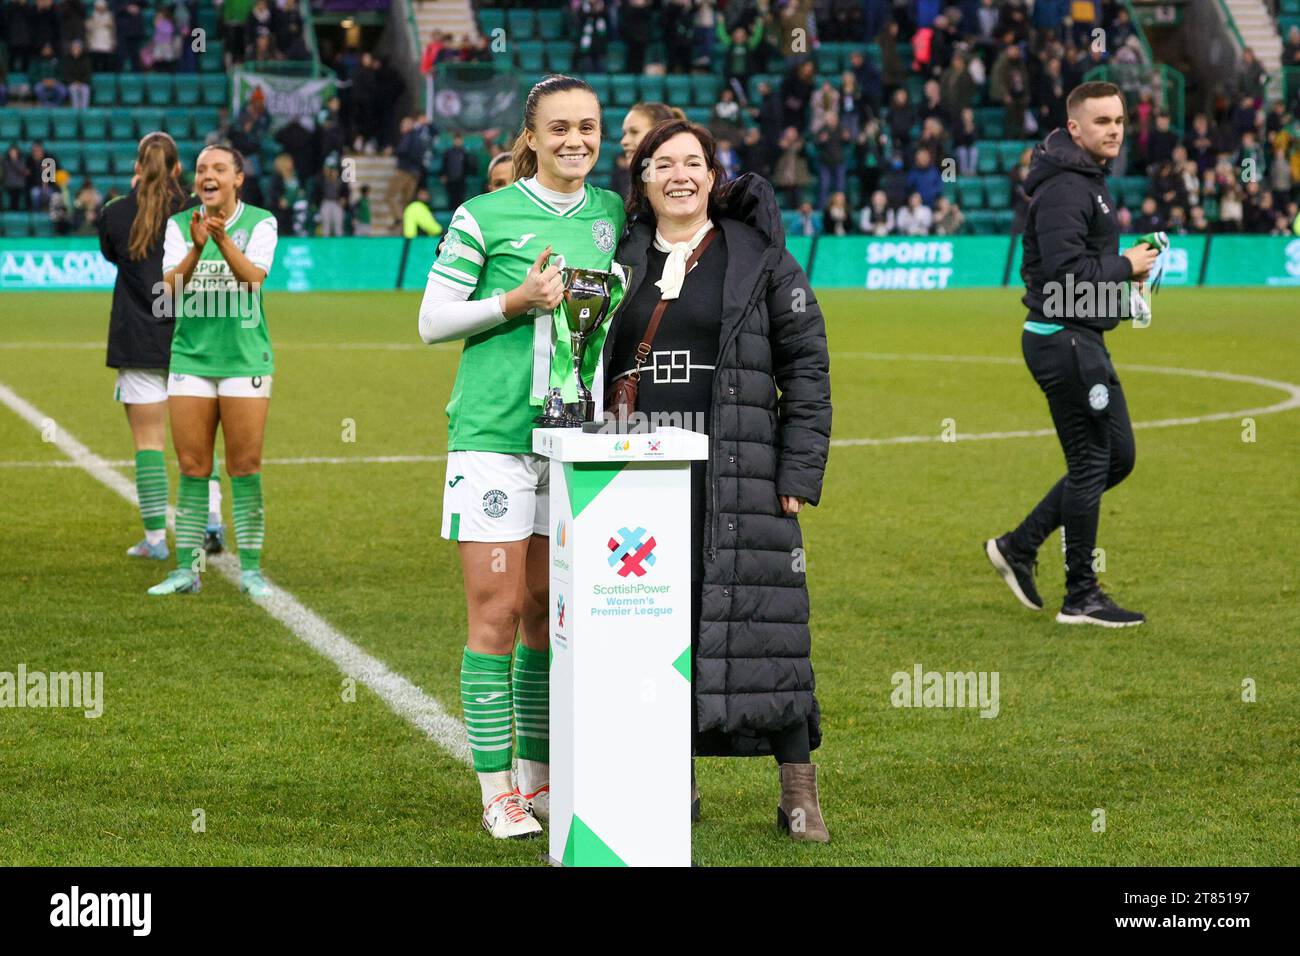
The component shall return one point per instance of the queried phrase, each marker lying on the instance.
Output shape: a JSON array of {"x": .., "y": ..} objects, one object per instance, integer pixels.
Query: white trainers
[
  {"x": 539, "y": 802},
  {"x": 507, "y": 818}
]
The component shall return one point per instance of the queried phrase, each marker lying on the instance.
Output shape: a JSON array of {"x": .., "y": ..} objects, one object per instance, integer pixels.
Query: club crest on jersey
[
  {"x": 602, "y": 233},
  {"x": 1099, "y": 396},
  {"x": 495, "y": 503},
  {"x": 240, "y": 238},
  {"x": 450, "y": 250}
]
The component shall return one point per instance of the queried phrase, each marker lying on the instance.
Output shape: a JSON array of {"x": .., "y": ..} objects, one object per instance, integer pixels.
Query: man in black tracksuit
[{"x": 1075, "y": 290}]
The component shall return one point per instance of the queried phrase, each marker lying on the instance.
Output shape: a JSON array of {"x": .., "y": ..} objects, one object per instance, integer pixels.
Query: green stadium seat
[
  {"x": 36, "y": 124},
  {"x": 490, "y": 19},
  {"x": 130, "y": 89},
  {"x": 950, "y": 189},
  {"x": 520, "y": 25},
  {"x": 616, "y": 57},
  {"x": 990, "y": 121},
  {"x": 559, "y": 58},
  {"x": 69, "y": 156},
  {"x": 122, "y": 158},
  {"x": 16, "y": 82},
  {"x": 1003, "y": 220},
  {"x": 64, "y": 124},
  {"x": 651, "y": 89},
  {"x": 623, "y": 89},
  {"x": 188, "y": 91},
  {"x": 103, "y": 89},
  {"x": 41, "y": 225},
  {"x": 600, "y": 83},
  {"x": 970, "y": 192},
  {"x": 11, "y": 127},
  {"x": 213, "y": 60},
  {"x": 989, "y": 158},
  {"x": 121, "y": 125},
  {"x": 158, "y": 89},
  {"x": 179, "y": 124},
  {"x": 216, "y": 89},
  {"x": 706, "y": 88},
  {"x": 15, "y": 224},
  {"x": 1289, "y": 6},
  {"x": 148, "y": 120},
  {"x": 95, "y": 161},
  {"x": 94, "y": 124},
  {"x": 698, "y": 114},
  {"x": 529, "y": 54},
  {"x": 997, "y": 189},
  {"x": 205, "y": 120},
  {"x": 980, "y": 222},
  {"x": 678, "y": 90},
  {"x": 552, "y": 24},
  {"x": 438, "y": 195},
  {"x": 611, "y": 117}
]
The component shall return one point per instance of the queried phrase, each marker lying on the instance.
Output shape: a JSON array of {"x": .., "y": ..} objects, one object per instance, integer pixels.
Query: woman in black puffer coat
[{"x": 743, "y": 347}]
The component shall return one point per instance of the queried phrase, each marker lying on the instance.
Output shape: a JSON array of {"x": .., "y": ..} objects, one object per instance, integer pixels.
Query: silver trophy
[{"x": 585, "y": 307}]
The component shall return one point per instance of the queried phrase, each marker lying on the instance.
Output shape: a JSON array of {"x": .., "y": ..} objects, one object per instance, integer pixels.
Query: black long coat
[{"x": 771, "y": 420}]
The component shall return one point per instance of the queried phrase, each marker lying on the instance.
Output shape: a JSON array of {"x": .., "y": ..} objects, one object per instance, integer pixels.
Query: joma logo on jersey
[
  {"x": 602, "y": 234},
  {"x": 522, "y": 240}
]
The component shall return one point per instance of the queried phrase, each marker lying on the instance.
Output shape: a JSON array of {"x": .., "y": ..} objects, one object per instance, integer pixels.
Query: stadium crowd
[{"x": 875, "y": 145}]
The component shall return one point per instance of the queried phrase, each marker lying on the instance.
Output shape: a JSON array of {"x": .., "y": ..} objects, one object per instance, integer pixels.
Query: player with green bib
[
  {"x": 215, "y": 259},
  {"x": 496, "y": 284}
]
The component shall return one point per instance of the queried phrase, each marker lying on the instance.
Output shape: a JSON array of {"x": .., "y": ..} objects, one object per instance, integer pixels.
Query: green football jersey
[
  {"x": 491, "y": 243},
  {"x": 221, "y": 329}
]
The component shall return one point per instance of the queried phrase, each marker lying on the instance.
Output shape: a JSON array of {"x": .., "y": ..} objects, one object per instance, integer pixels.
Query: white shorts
[
  {"x": 140, "y": 386},
  {"x": 493, "y": 496},
  {"x": 199, "y": 386}
]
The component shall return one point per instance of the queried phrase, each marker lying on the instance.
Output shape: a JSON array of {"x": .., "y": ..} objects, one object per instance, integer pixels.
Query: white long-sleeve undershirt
[{"x": 446, "y": 314}]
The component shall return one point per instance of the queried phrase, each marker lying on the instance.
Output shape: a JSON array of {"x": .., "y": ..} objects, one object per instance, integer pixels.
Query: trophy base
[{"x": 567, "y": 421}]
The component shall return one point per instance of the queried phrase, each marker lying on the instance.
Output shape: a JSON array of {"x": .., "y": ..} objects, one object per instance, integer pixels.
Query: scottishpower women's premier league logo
[{"x": 632, "y": 552}]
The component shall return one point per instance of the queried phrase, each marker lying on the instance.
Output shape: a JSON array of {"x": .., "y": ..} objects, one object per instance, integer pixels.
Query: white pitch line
[
  {"x": 403, "y": 697},
  {"x": 342, "y": 459},
  {"x": 1292, "y": 401},
  {"x": 291, "y": 346}
]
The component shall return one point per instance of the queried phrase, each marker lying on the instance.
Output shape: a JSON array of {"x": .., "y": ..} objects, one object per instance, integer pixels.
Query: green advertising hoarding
[
  {"x": 419, "y": 257},
  {"x": 354, "y": 263},
  {"x": 926, "y": 262},
  {"x": 1254, "y": 260},
  {"x": 55, "y": 264}
]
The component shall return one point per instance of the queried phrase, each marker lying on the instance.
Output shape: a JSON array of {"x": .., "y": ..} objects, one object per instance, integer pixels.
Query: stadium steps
[
  {"x": 1259, "y": 31},
  {"x": 453, "y": 17},
  {"x": 377, "y": 173}
]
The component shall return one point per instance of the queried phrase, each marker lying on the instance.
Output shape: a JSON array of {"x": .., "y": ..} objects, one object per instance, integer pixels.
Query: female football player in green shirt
[
  {"x": 495, "y": 284},
  {"x": 215, "y": 259}
]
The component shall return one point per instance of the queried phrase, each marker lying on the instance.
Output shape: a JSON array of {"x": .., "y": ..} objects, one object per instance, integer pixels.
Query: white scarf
[{"x": 675, "y": 266}]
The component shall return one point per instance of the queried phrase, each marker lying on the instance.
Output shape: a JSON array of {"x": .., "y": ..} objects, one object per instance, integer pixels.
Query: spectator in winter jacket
[{"x": 924, "y": 178}]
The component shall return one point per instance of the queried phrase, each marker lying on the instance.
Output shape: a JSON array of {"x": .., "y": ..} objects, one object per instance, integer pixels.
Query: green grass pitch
[{"x": 210, "y": 704}]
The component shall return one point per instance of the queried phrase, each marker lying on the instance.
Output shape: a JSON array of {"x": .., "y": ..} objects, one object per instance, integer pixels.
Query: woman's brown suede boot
[{"x": 799, "y": 813}]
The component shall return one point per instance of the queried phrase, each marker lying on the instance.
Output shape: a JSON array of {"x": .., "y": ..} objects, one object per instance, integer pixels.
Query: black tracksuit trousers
[{"x": 1074, "y": 370}]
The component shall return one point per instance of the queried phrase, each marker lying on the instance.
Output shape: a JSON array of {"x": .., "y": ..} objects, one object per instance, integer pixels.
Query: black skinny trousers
[{"x": 1098, "y": 444}]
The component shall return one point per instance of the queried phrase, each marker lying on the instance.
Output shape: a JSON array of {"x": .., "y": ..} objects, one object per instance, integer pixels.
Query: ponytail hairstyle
[
  {"x": 658, "y": 112},
  {"x": 158, "y": 192},
  {"x": 525, "y": 159}
]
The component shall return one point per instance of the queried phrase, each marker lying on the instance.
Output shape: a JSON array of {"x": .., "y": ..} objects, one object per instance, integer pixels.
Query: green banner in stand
[
  {"x": 1254, "y": 260},
  {"x": 1182, "y": 261},
  {"x": 931, "y": 262}
]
